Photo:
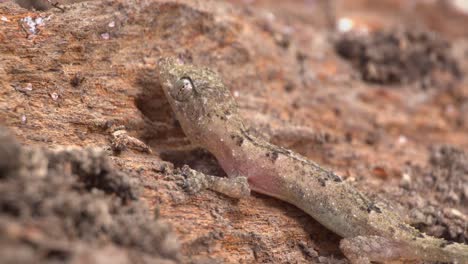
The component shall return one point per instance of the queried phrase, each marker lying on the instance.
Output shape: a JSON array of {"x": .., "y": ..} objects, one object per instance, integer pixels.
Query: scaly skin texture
[{"x": 209, "y": 116}]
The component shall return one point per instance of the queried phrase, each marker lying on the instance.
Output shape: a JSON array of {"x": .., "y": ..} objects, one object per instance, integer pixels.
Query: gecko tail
[
  {"x": 434, "y": 249},
  {"x": 364, "y": 249},
  {"x": 457, "y": 253}
]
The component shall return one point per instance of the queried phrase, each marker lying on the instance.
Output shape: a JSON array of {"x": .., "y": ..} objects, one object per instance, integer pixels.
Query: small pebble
[
  {"x": 345, "y": 24},
  {"x": 406, "y": 179},
  {"x": 39, "y": 21},
  {"x": 105, "y": 36},
  {"x": 54, "y": 96},
  {"x": 402, "y": 140},
  {"x": 28, "y": 87}
]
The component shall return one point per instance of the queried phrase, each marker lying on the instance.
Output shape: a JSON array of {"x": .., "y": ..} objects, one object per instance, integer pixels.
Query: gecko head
[{"x": 196, "y": 95}]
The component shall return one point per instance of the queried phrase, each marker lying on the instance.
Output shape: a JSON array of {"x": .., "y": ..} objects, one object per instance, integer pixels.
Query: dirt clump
[
  {"x": 70, "y": 205},
  {"x": 399, "y": 56},
  {"x": 449, "y": 174},
  {"x": 438, "y": 196}
]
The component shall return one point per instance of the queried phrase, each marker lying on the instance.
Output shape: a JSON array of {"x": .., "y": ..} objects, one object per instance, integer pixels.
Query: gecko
[{"x": 209, "y": 117}]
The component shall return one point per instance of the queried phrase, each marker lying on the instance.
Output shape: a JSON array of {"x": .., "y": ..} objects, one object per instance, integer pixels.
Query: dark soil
[
  {"x": 443, "y": 187},
  {"x": 70, "y": 205},
  {"x": 398, "y": 55}
]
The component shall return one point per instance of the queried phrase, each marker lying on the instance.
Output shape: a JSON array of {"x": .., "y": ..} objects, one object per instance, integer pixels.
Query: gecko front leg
[{"x": 195, "y": 181}]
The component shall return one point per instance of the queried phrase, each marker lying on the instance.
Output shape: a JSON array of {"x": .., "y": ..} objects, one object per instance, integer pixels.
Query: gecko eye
[{"x": 183, "y": 89}]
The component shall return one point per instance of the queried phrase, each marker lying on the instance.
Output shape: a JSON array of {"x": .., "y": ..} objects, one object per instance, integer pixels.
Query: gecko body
[{"x": 209, "y": 116}]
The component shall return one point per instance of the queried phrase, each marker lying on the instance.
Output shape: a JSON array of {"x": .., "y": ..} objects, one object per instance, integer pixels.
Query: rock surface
[{"x": 77, "y": 75}]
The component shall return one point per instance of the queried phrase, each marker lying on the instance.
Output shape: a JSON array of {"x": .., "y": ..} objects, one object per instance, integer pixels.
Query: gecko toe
[{"x": 193, "y": 181}]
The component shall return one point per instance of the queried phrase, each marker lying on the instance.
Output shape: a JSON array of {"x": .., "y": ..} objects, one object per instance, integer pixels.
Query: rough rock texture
[{"x": 71, "y": 77}]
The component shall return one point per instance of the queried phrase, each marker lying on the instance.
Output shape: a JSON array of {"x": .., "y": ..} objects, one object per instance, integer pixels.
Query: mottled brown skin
[{"x": 209, "y": 116}]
